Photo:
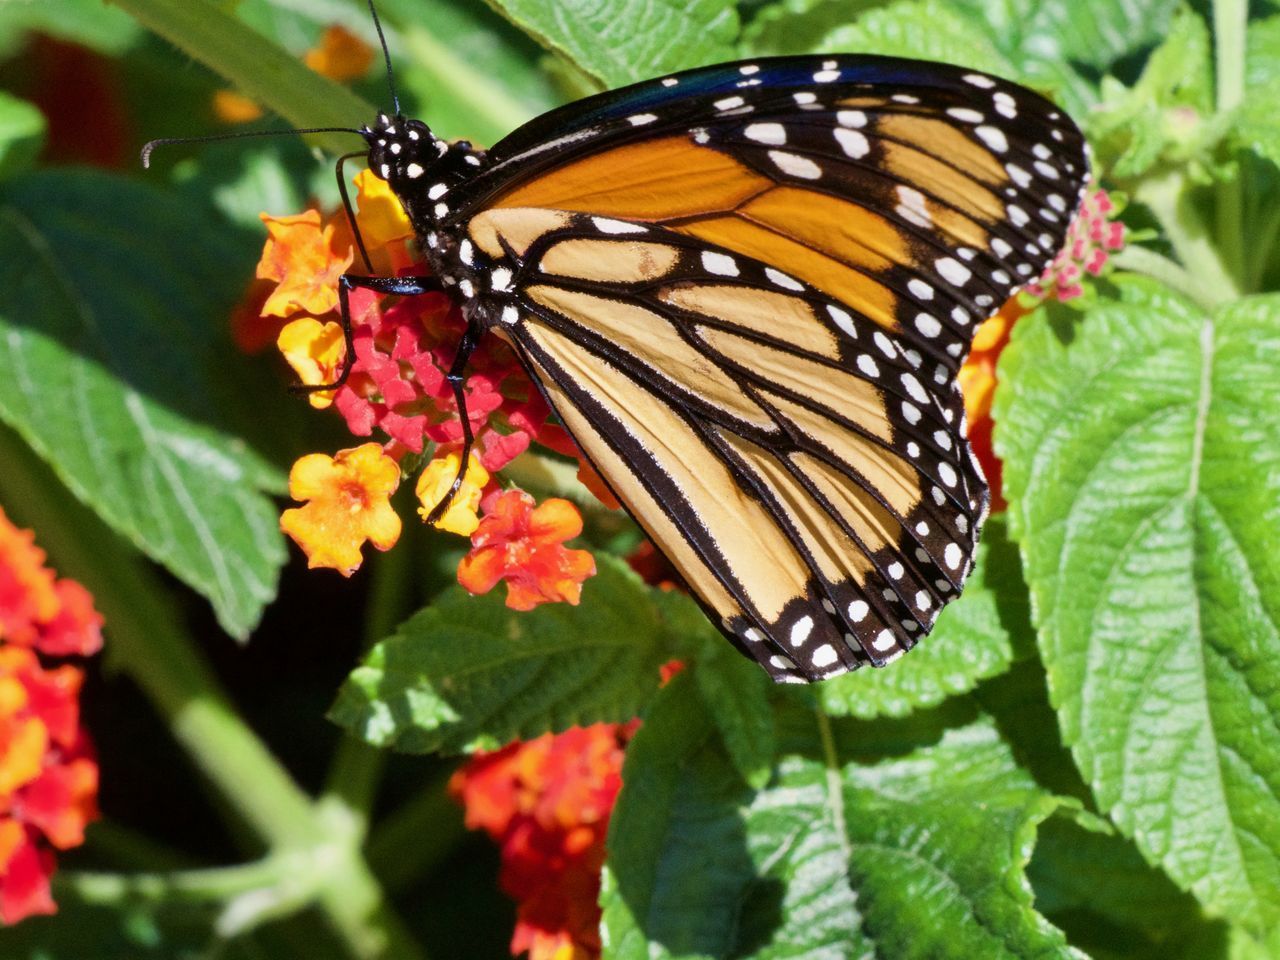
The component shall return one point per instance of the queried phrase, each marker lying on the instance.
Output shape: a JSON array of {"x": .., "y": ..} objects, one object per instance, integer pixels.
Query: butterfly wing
[{"x": 747, "y": 292}]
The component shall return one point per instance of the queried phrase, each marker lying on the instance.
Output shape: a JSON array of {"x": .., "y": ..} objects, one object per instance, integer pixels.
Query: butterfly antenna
[
  {"x": 149, "y": 147},
  {"x": 351, "y": 214},
  {"x": 386, "y": 56}
]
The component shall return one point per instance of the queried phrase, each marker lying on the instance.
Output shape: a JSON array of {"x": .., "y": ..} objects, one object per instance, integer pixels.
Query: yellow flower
[
  {"x": 382, "y": 218},
  {"x": 348, "y": 498},
  {"x": 434, "y": 482},
  {"x": 315, "y": 350}
]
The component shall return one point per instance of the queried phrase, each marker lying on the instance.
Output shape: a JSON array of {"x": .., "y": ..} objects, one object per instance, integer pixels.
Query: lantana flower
[
  {"x": 435, "y": 482},
  {"x": 348, "y": 498},
  {"x": 397, "y": 388},
  {"x": 547, "y": 802},
  {"x": 48, "y": 774},
  {"x": 1091, "y": 239},
  {"x": 523, "y": 544}
]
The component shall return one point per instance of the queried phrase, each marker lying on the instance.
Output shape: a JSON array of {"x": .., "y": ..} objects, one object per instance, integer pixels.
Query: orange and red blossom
[
  {"x": 523, "y": 544},
  {"x": 547, "y": 803},
  {"x": 348, "y": 502},
  {"x": 48, "y": 776}
]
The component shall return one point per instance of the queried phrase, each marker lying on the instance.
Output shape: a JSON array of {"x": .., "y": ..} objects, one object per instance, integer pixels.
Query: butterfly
[{"x": 746, "y": 291}]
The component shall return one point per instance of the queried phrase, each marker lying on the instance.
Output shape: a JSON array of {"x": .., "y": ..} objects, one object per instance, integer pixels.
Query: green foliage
[
  {"x": 1081, "y": 760},
  {"x": 22, "y": 135},
  {"x": 629, "y": 40},
  {"x": 915, "y": 849},
  {"x": 109, "y": 369},
  {"x": 1156, "y": 605},
  {"x": 467, "y": 673}
]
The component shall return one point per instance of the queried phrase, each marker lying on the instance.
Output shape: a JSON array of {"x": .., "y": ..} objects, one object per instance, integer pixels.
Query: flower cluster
[
  {"x": 48, "y": 774},
  {"x": 1091, "y": 239},
  {"x": 546, "y": 802},
  {"x": 397, "y": 389},
  {"x": 1093, "y": 236}
]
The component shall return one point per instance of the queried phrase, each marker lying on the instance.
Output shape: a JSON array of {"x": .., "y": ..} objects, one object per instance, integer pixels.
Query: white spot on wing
[
  {"x": 782, "y": 280},
  {"x": 720, "y": 264},
  {"x": 606, "y": 225},
  {"x": 852, "y": 142},
  {"x": 795, "y": 165},
  {"x": 772, "y": 133}
]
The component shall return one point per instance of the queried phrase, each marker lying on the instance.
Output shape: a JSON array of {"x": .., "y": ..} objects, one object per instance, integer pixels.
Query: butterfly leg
[
  {"x": 399, "y": 286},
  {"x": 458, "y": 381}
]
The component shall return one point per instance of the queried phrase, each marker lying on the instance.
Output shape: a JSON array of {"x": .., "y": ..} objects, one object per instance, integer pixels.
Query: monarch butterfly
[{"x": 746, "y": 290}]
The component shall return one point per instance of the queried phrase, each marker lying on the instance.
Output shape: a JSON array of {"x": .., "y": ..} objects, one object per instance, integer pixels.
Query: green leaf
[
  {"x": 22, "y": 135},
  {"x": 798, "y": 26},
  {"x": 924, "y": 29},
  {"x": 737, "y": 693},
  {"x": 475, "y": 75},
  {"x": 912, "y": 854},
  {"x": 1018, "y": 702},
  {"x": 1163, "y": 115},
  {"x": 113, "y": 367},
  {"x": 1097, "y": 33},
  {"x": 622, "y": 41},
  {"x": 974, "y": 34},
  {"x": 976, "y": 636},
  {"x": 467, "y": 673},
  {"x": 702, "y": 865},
  {"x": 1096, "y": 886},
  {"x": 1142, "y": 462},
  {"x": 90, "y": 23},
  {"x": 1257, "y": 127}
]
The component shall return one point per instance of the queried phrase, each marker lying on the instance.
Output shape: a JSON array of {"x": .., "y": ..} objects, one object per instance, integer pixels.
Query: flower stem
[
  {"x": 1143, "y": 260},
  {"x": 1166, "y": 195},
  {"x": 1230, "y": 19}
]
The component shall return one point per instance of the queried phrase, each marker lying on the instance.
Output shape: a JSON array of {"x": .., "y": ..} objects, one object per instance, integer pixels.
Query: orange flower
[
  {"x": 340, "y": 55},
  {"x": 305, "y": 259},
  {"x": 522, "y": 544},
  {"x": 977, "y": 380},
  {"x": 348, "y": 503},
  {"x": 547, "y": 804},
  {"x": 434, "y": 482},
  {"x": 316, "y": 352}
]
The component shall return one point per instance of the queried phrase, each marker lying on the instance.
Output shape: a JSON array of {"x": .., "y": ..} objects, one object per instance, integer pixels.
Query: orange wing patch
[
  {"x": 658, "y": 180},
  {"x": 844, "y": 283}
]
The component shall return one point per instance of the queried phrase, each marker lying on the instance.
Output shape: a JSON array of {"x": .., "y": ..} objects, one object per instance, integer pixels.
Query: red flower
[
  {"x": 523, "y": 545},
  {"x": 547, "y": 804},
  {"x": 48, "y": 777}
]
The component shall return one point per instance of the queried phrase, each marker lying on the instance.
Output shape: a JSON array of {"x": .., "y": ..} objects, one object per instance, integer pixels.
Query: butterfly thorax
[{"x": 424, "y": 171}]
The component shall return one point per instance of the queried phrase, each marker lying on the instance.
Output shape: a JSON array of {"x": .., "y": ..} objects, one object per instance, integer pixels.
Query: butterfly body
[{"x": 746, "y": 291}]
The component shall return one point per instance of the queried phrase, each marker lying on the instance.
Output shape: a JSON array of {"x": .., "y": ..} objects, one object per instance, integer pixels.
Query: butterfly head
[{"x": 402, "y": 151}]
